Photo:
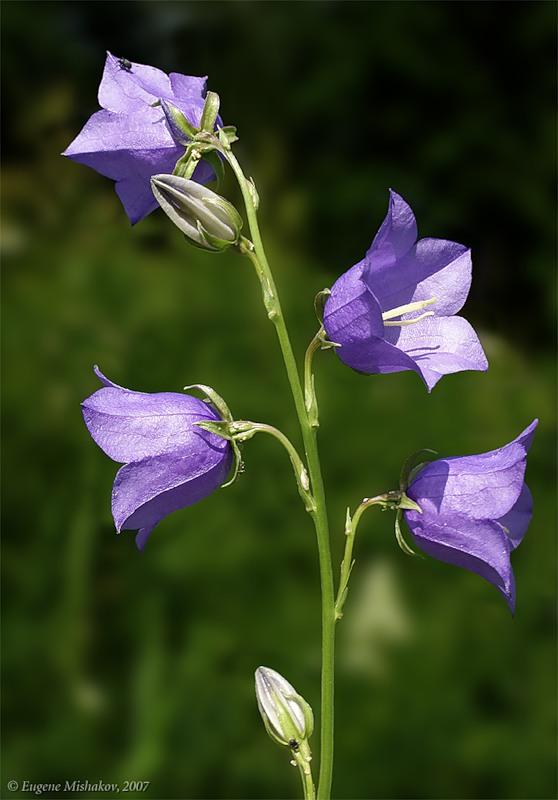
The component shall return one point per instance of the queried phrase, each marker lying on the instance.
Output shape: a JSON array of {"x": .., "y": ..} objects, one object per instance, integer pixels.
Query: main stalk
[{"x": 319, "y": 515}]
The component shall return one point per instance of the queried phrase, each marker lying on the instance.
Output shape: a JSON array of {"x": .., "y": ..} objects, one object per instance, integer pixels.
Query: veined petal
[
  {"x": 484, "y": 486},
  {"x": 146, "y": 491},
  {"x": 188, "y": 94},
  {"x": 480, "y": 546},
  {"x": 396, "y": 236},
  {"x": 144, "y": 131},
  {"x": 433, "y": 268},
  {"x": 352, "y": 314},
  {"x": 440, "y": 346},
  {"x": 130, "y": 426},
  {"x": 375, "y": 356},
  {"x": 127, "y": 89},
  {"x": 517, "y": 520}
]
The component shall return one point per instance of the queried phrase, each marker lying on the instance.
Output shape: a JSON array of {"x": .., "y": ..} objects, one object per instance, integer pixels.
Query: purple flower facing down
[
  {"x": 475, "y": 510},
  {"x": 394, "y": 310},
  {"x": 129, "y": 140},
  {"x": 169, "y": 462}
]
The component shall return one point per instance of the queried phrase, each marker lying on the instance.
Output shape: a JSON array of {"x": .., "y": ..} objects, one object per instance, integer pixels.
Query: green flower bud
[
  {"x": 287, "y": 716},
  {"x": 207, "y": 219}
]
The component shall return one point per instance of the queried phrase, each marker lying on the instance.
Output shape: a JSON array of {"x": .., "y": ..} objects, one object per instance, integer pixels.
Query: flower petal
[
  {"x": 146, "y": 491},
  {"x": 352, "y": 313},
  {"x": 117, "y": 136},
  {"x": 484, "y": 486},
  {"x": 480, "y": 546},
  {"x": 188, "y": 94},
  {"x": 142, "y": 536},
  {"x": 396, "y": 236},
  {"x": 434, "y": 268},
  {"x": 127, "y": 89},
  {"x": 129, "y": 426},
  {"x": 440, "y": 346},
  {"x": 517, "y": 520}
]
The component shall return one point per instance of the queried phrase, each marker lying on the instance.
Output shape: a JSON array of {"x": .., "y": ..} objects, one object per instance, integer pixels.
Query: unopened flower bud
[
  {"x": 207, "y": 219},
  {"x": 287, "y": 716}
]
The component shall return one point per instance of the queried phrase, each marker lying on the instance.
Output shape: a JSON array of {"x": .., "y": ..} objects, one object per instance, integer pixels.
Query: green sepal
[
  {"x": 319, "y": 304},
  {"x": 227, "y": 136},
  {"x": 219, "y": 428},
  {"x": 413, "y": 465},
  {"x": 214, "y": 398},
  {"x": 213, "y": 242},
  {"x": 235, "y": 219},
  {"x": 237, "y": 466},
  {"x": 406, "y": 504},
  {"x": 181, "y": 128},
  {"x": 407, "y": 549},
  {"x": 210, "y": 111}
]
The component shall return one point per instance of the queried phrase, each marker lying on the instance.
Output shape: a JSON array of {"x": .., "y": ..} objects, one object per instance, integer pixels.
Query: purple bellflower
[
  {"x": 372, "y": 309},
  {"x": 130, "y": 140},
  {"x": 169, "y": 462},
  {"x": 475, "y": 510}
]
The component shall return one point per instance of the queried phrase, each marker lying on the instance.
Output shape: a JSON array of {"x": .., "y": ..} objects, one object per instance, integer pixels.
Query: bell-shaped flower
[
  {"x": 130, "y": 139},
  {"x": 475, "y": 510},
  {"x": 394, "y": 310},
  {"x": 169, "y": 461}
]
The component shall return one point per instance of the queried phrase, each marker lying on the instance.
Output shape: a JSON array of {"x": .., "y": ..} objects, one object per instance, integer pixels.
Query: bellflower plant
[
  {"x": 371, "y": 312},
  {"x": 133, "y": 137},
  {"x": 169, "y": 461},
  {"x": 160, "y": 137},
  {"x": 474, "y": 510}
]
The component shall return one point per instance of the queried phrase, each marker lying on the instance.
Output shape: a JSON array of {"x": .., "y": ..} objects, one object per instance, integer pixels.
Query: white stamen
[
  {"x": 407, "y": 309},
  {"x": 401, "y": 322}
]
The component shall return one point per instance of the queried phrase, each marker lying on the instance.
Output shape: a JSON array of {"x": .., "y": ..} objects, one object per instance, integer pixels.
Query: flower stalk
[{"x": 319, "y": 514}]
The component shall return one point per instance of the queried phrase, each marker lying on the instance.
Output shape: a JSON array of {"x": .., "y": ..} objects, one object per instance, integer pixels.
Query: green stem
[
  {"x": 306, "y": 778},
  {"x": 351, "y": 525},
  {"x": 246, "y": 429},
  {"x": 319, "y": 515}
]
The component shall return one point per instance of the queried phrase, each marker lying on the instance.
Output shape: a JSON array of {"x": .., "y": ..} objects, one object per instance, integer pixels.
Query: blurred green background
[{"x": 120, "y": 665}]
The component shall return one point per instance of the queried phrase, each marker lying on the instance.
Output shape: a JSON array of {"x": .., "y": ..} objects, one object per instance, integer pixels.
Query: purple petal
[
  {"x": 130, "y": 426},
  {"x": 107, "y": 381},
  {"x": 352, "y": 313},
  {"x": 480, "y": 546},
  {"x": 142, "y": 536},
  {"x": 517, "y": 520},
  {"x": 434, "y": 268},
  {"x": 146, "y": 491},
  {"x": 188, "y": 94},
  {"x": 484, "y": 486},
  {"x": 440, "y": 346},
  {"x": 375, "y": 356},
  {"x": 397, "y": 233},
  {"x": 124, "y": 90},
  {"x": 117, "y": 137},
  {"x": 130, "y": 149}
]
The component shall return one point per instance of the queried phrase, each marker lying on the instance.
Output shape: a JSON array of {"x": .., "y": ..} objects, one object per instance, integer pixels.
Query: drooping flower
[
  {"x": 130, "y": 140},
  {"x": 169, "y": 462},
  {"x": 475, "y": 510},
  {"x": 372, "y": 309}
]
